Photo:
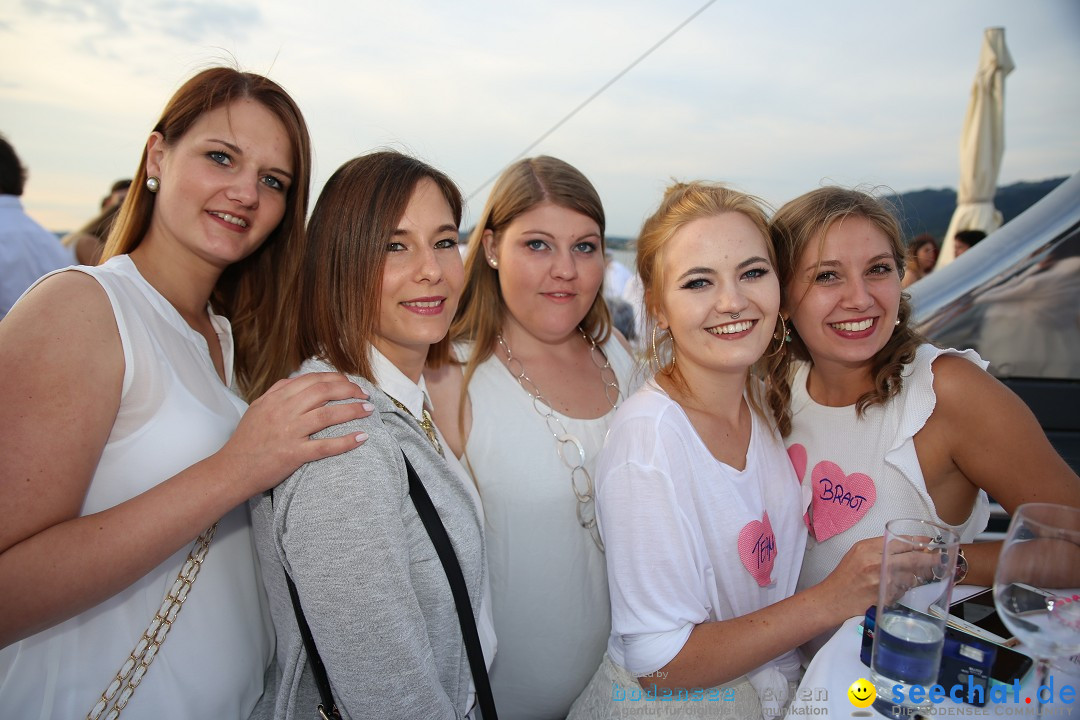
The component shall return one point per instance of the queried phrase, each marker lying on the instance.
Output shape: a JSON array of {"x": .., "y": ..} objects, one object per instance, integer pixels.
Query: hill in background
[{"x": 929, "y": 211}]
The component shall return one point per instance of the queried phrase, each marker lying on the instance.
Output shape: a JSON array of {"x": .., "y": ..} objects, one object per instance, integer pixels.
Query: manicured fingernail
[
  {"x": 367, "y": 406},
  {"x": 361, "y": 437}
]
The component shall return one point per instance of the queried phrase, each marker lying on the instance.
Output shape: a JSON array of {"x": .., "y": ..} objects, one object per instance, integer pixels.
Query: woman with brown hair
[
  {"x": 378, "y": 288},
  {"x": 922, "y": 254},
  {"x": 867, "y": 404},
  {"x": 123, "y": 439},
  {"x": 526, "y": 410}
]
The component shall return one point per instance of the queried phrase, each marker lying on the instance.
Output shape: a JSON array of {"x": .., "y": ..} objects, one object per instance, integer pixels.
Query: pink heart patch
[
  {"x": 757, "y": 549},
  {"x": 797, "y": 453},
  {"x": 839, "y": 500}
]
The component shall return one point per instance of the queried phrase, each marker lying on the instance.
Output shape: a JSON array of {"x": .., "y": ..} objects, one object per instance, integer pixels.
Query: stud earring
[
  {"x": 493, "y": 262},
  {"x": 897, "y": 321},
  {"x": 152, "y": 184}
]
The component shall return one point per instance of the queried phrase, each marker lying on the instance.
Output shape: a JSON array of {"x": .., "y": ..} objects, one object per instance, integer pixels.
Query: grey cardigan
[{"x": 370, "y": 582}]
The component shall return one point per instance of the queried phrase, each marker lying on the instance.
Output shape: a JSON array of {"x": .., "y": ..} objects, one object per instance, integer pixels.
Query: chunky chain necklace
[{"x": 567, "y": 446}]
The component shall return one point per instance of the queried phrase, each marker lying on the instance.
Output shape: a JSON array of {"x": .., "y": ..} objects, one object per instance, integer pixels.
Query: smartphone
[{"x": 976, "y": 615}]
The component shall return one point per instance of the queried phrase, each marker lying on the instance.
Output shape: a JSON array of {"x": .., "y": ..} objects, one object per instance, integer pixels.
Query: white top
[
  {"x": 549, "y": 586},
  {"x": 414, "y": 397},
  {"x": 174, "y": 411},
  {"x": 690, "y": 539},
  {"x": 27, "y": 251},
  {"x": 864, "y": 471}
]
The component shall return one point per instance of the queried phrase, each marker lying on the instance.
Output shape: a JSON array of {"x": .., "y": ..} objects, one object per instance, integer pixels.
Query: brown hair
[
  {"x": 340, "y": 282},
  {"x": 802, "y": 222},
  {"x": 521, "y": 187},
  {"x": 249, "y": 292},
  {"x": 682, "y": 204}
]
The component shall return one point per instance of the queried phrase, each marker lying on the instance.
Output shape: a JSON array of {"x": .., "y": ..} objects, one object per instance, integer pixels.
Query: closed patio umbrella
[{"x": 982, "y": 143}]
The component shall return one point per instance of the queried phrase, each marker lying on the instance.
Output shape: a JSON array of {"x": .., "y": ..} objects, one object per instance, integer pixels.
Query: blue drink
[{"x": 907, "y": 652}]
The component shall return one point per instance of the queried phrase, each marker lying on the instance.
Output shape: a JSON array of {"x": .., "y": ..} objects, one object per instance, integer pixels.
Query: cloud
[{"x": 198, "y": 22}]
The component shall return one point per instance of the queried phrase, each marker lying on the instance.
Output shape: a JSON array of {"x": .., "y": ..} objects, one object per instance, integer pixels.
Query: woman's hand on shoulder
[
  {"x": 994, "y": 439},
  {"x": 273, "y": 438}
]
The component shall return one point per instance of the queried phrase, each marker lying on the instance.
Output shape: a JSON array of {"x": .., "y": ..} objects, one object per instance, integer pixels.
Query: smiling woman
[
  {"x": 696, "y": 499},
  {"x": 379, "y": 285},
  {"x": 912, "y": 430},
  {"x": 123, "y": 438}
]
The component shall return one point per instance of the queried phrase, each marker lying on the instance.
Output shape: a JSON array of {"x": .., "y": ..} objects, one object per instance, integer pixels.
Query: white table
[{"x": 823, "y": 690}]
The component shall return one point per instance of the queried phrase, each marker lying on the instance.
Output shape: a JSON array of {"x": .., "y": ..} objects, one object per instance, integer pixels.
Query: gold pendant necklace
[{"x": 425, "y": 422}]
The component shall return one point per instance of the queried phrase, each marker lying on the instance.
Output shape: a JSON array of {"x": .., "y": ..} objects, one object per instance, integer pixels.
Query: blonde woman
[
  {"x": 696, "y": 499},
  {"x": 527, "y": 408}
]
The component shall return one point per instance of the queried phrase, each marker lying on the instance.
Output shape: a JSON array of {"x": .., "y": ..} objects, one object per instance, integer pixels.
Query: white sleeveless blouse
[
  {"x": 174, "y": 412},
  {"x": 548, "y": 579}
]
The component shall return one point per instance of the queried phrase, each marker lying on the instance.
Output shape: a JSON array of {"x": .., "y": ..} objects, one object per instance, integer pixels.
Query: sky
[{"x": 773, "y": 98}]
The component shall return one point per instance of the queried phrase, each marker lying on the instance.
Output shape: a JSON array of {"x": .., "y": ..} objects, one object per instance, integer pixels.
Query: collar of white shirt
[{"x": 397, "y": 385}]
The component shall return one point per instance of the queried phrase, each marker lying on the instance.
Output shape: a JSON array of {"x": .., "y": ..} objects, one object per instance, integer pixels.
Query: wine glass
[{"x": 1037, "y": 584}]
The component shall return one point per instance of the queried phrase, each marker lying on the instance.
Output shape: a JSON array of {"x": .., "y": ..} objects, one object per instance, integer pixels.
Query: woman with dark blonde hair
[
  {"x": 696, "y": 499},
  {"x": 864, "y": 402},
  {"x": 378, "y": 288},
  {"x": 526, "y": 410},
  {"x": 123, "y": 440}
]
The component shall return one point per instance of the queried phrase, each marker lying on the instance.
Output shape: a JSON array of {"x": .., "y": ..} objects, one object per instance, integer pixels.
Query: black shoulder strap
[
  {"x": 437, "y": 532},
  {"x": 443, "y": 547},
  {"x": 327, "y": 708}
]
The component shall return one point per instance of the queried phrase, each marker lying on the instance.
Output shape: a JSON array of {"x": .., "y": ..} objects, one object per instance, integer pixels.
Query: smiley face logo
[{"x": 861, "y": 693}]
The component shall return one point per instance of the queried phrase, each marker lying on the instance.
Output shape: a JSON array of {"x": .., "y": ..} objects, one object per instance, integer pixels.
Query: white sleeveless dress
[
  {"x": 548, "y": 580},
  {"x": 174, "y": 411}
]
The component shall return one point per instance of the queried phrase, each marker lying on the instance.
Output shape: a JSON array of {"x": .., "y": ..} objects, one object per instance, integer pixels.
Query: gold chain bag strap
[{"x": 116, "y": 696}]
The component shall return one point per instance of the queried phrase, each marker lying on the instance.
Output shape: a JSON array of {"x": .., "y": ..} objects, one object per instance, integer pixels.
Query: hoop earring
[
  {"x": 660, "y": 368},
  {"x": 782, "y": 337}
]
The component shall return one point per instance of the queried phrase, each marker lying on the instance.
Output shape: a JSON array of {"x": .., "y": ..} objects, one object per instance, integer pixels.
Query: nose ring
[{"x": 734, "y": 316}]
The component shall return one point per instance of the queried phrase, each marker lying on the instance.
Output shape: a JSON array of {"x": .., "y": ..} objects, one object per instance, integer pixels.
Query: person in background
[
  {"x": 88, "y": 241},
  {"x": 922, "y": 254},
  {"x": 27, "y": 250},
  {"x": 526, "y": 406},
  {"x": 616, "y": 275},
  {"x": 967, "y": 239},
  {"x": 124, "y": 440},
  {"x": 117, "y": 193},
  {"x": 377, "y": 291},
  {"x": 697, "y": 502},
  {"x": 865, "y": 403}
]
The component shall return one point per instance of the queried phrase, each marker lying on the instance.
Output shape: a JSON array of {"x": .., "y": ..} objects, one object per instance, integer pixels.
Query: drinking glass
[
  {"x": 1037, "y": 584},
  {"x": 917, "y": 570}
]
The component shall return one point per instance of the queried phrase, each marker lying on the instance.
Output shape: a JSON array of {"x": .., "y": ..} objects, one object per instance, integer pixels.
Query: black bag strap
[
  {"x": 445, "y": 550},
  {"x": 327, "y": 708},
  {"x": 437, "y": 532}
]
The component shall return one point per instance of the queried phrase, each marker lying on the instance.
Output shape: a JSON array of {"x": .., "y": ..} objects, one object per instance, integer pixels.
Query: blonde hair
[
  {"x": 682, "y": 204},
  {"x": 520, "y": 188},
  {"x": 795, "y": 227}
]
